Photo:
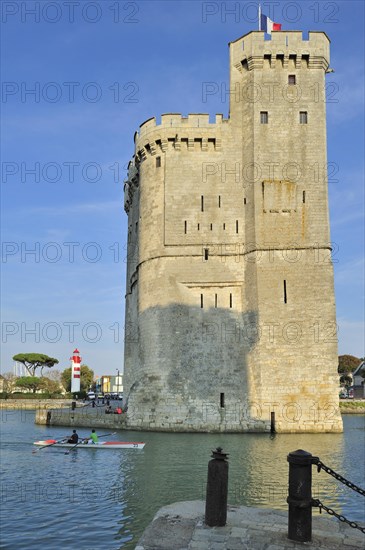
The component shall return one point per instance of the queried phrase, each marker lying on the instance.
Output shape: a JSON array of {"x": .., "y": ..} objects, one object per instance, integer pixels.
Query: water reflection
[
  {"x": 106, "y": 499},
  {"x": 175, "y": 468}
]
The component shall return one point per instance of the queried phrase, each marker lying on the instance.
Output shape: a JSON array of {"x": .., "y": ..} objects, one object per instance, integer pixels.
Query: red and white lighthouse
[{"x": 75, "y": 371}]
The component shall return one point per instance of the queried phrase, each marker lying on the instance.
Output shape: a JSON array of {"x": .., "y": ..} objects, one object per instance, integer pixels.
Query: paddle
[
  {"x": 72, "y": 448},
  {"x": 85, "y": 439},
  {"x": 49, "y": 444}
]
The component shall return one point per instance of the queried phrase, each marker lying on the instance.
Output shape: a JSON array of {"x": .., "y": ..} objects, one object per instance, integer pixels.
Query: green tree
[
  {"x": 86, "y": 378},
  {"x": 52, "y": 387},
  {"x": 54, "y": 375},
  {"x": 347, "y": 363},
  {"x": 8, "y": 382},
  {"x": 346, "y": 380},
  {"x": 33, "y": 361},
  {"x": 30, "y": 383}
]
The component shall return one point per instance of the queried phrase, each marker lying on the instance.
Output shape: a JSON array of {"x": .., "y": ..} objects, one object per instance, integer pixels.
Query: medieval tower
[{"x": 230, "y": 309}]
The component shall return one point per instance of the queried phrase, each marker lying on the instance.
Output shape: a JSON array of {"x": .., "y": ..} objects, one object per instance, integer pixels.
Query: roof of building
[{"x": 358, "y": 369}]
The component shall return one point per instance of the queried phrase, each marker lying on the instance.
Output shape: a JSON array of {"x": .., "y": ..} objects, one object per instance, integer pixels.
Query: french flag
[{"x": 267, "y": 25}]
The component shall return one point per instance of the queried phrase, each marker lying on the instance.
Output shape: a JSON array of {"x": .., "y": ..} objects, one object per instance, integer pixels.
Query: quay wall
[
  {"x": 82, "y": 417},
  {"x": 61, "y": 413},
  {"x": 34, "y": 404},
  {"x": 86, "y": 416}
]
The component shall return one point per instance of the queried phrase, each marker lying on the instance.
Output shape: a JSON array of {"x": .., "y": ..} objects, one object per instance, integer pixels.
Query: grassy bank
[{"x": 352, "y": 407}]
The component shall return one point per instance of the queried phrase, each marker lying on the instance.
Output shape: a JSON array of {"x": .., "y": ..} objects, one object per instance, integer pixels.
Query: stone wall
[
  {"x": 32, "y": 404},
  {"x": 80, "y": 417}
]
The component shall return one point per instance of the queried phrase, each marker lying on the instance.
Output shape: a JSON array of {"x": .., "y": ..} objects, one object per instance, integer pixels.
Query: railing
[
  {"x": 299, "y": 499},
  {"x": 300, "y": 495}
]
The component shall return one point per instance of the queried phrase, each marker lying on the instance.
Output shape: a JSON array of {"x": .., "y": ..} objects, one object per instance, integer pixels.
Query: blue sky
[{"x": 97, "y": 71}]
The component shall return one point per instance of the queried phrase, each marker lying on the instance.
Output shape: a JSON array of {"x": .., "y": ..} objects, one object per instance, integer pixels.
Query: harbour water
[{"x": 96, "y": 500}]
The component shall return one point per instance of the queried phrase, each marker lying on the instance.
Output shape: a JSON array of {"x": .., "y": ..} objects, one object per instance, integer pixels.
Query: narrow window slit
[
  {"x": 230, "y": 299},
  {"x": 285, "y": 296},
  {"x": 236, "y": 226},
  {"x": 303, "y": 196},
  {"x": 264, "y": 117},
  {"x": 202, "y": 203},
  {"x": 206, "y": 254},
  {"x": 222, "y": 400},
  {"x": 219, "y": 201},
  {"x": 303, "y": 117},
  {"x": 216, "y": 300},
  {"x": 201, "y": 301}
]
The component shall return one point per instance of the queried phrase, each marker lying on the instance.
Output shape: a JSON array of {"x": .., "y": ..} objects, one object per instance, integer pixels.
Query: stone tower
[{"x": 230, "y": 310}]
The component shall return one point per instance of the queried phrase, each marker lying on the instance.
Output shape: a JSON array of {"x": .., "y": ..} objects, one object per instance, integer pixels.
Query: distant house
[
  {"x": 358, "y": 381},
  {"x": 110, "y": 384}
]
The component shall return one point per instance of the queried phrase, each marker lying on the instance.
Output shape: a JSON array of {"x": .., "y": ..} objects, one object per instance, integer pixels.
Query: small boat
[{"x": 88, "y": 445}]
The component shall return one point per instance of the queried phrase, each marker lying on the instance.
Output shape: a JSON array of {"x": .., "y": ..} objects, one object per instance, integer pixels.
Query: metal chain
[
  {"x": 320, "y": 505},
  {"x": 337, "y": 476}
]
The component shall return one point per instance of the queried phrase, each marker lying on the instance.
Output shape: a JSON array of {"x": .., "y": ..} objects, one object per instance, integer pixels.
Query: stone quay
[{"x": 180, "y": 526}]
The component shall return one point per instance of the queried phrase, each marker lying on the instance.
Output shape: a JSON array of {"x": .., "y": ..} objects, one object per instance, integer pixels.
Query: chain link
[
  {"x": 330, "y": 511},
  {"x": 321, "y": 506},
  {"x": 321, "y": 466}
]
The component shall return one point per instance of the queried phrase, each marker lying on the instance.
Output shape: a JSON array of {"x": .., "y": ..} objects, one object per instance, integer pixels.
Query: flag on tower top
[{"x": 265, "y": 23}]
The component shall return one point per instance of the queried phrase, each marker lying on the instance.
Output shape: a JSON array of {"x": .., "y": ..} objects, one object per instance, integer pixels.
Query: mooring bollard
[
  {"x": 272, "y": 423},
  {"x": 217, "y": 490},
  {"x": 300, "y": 495},
  {"x": 73, "y": 405}
]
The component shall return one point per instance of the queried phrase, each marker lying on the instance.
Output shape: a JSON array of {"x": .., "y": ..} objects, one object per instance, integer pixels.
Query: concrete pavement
[{"x": 180, "y": 526}]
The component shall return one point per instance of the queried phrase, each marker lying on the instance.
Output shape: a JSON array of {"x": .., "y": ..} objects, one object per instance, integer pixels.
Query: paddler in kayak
[
  {"x": 94, "y": 438},
  {"x": 74, "y": 438}
]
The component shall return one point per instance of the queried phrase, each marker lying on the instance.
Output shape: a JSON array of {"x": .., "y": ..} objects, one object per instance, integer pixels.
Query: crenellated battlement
[
  {"x": 193, "y": 132},
  {"x": 177, "y": 120},
  {"x": 176, "y": 132},
  {"x": 251, "y": 49}
]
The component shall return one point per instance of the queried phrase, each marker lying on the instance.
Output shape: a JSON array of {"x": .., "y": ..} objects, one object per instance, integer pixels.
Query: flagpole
[{"x": 259, "y": 17}]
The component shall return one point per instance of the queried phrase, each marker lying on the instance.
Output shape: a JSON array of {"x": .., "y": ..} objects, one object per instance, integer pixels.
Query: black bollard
[
  {"x": 217, "y": 490},
  {"x": 272, "y": 423},
  {"x": 73, "y": 405},
  {"x": 300, "y": 495}
]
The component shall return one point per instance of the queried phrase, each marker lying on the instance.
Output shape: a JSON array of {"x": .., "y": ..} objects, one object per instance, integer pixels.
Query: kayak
[{"x": 100, "y": 445}]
